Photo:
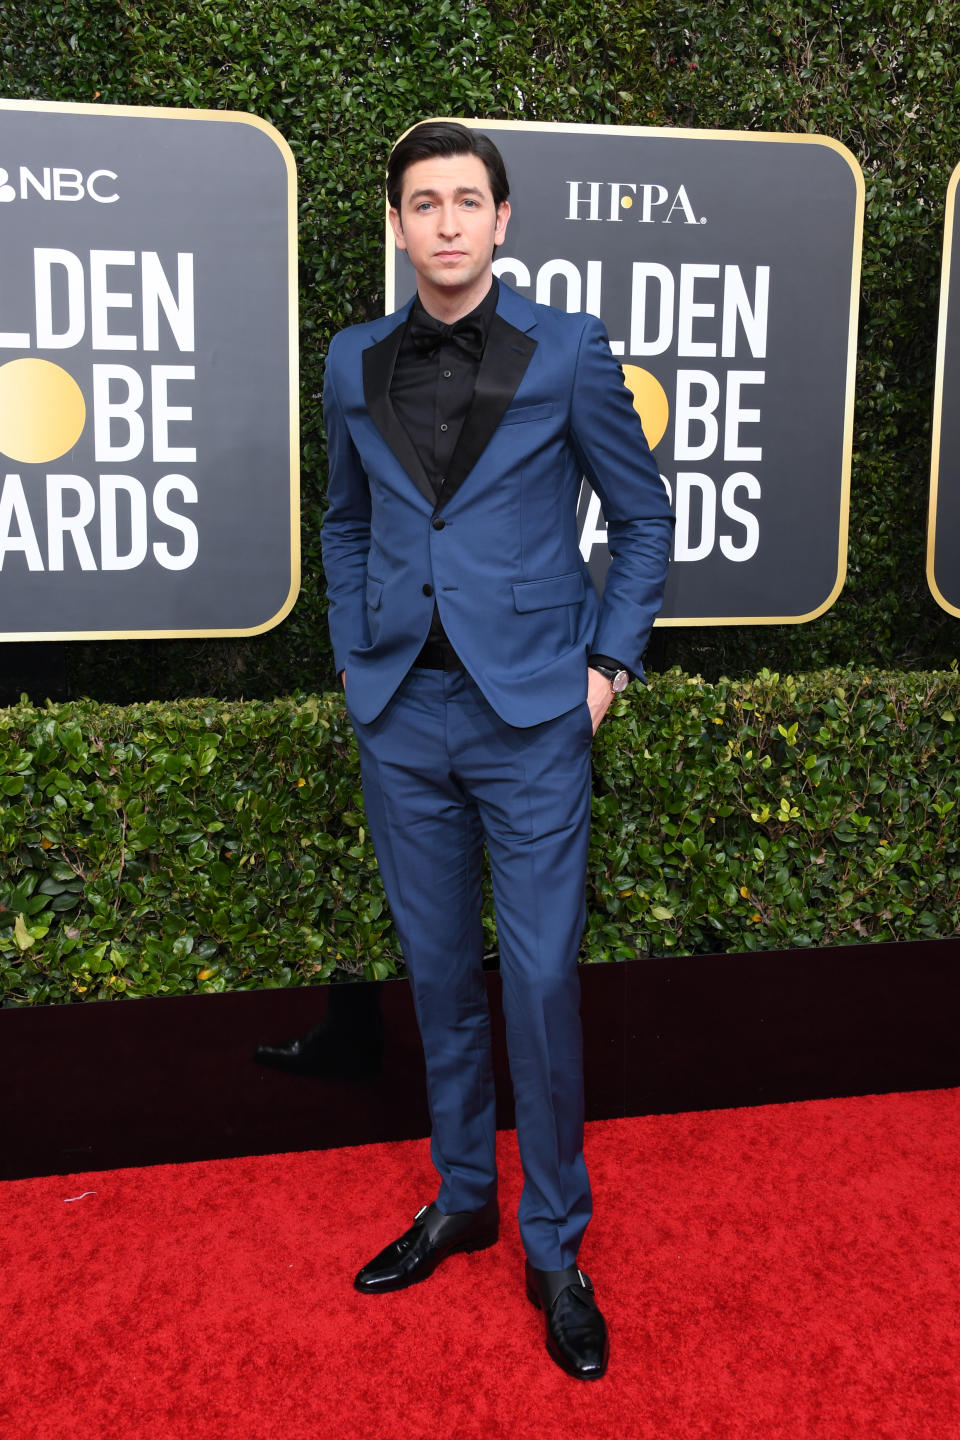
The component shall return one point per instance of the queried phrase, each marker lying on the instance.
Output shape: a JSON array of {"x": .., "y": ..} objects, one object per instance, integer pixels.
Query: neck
[{"x": 448, "y": 306}]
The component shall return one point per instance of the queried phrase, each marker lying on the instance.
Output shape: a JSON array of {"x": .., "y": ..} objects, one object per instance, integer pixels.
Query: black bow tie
[{"x": 427, "y": 334}]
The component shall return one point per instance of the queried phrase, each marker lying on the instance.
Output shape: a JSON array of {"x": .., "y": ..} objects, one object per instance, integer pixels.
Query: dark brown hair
[{"x": 445, "y": 137}]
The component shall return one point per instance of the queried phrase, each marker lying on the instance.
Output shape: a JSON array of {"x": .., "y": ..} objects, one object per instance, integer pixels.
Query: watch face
[{"x": 620, "y": 681}]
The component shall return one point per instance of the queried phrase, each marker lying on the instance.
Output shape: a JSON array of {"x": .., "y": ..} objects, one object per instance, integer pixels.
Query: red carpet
[{"x": 791, "y": 1271}]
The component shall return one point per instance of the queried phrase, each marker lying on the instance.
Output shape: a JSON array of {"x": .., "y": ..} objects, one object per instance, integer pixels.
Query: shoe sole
[{"x": 466, "y": 1247}]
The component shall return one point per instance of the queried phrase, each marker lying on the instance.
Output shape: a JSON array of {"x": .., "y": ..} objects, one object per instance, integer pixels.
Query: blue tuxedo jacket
[{"x": 499, "y": 551}]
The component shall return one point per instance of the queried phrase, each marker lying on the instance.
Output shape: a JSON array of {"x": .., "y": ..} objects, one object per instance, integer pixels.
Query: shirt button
[
  {"x": 447, "y": 374},
  {"x": 439, "y": 523},
  {"x": 428, "y": 589},
  {"x": 444, "y": 427}
]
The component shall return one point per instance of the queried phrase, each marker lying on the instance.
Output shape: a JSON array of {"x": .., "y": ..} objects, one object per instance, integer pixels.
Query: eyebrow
[{"x": 427, "y": 193}]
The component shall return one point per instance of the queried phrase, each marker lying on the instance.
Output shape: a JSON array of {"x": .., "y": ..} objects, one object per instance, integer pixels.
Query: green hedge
[{"x": 208, "y": 846}]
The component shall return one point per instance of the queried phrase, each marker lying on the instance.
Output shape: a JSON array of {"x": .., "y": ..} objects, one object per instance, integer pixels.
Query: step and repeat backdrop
[{"x": 148, "y": 373}]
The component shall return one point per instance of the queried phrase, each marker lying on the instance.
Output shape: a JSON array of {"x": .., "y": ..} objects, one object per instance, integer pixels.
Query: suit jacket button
[
  {"x": 439, "y": 522},
  {"x": 428, "y": 589}
]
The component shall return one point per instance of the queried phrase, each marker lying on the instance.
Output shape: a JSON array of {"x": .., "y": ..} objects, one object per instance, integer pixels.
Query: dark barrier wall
[{"x": 93, "y": 1087}]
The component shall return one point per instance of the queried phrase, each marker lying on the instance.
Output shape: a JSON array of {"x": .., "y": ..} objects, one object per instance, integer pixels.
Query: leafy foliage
[
  {"x": 776, "y": 813},
  {"x": 160, "y": 849},
  {"x": 163, "y": 849}
]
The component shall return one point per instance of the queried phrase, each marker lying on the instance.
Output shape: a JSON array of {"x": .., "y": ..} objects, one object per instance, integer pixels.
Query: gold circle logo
[
  {"x": 42, "y": 411},
  {"x": 649, "y": 400}
]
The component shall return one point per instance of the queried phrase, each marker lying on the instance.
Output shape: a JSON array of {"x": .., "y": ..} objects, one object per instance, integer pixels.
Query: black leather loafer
[
  {"x": 327, "y": 1051},
  {"x": 431, "y": 1238},
  {"x": 576, "y": 1331}
]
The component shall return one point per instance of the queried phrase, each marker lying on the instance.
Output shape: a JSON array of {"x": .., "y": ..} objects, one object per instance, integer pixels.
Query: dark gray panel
[{"x": 215, "y": 188}]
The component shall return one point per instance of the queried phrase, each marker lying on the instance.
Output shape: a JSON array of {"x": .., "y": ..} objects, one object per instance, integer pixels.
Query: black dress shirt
[{"x": 431, "y": 392}]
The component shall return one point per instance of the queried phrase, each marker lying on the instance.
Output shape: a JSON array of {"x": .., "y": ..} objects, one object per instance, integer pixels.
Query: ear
[
  {"x": 503, "y": 215},
  {"x": 396, "y": 226}
]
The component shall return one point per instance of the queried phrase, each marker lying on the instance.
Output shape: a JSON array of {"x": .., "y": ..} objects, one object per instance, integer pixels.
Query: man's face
[{"x": 448, "y": 223}]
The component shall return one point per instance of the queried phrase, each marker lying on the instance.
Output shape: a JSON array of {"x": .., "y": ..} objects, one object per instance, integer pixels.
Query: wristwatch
[{"x": 619, "y": 678}]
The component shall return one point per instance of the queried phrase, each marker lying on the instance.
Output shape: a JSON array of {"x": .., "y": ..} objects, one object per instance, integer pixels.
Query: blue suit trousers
[{"x": 444, "y": 775}]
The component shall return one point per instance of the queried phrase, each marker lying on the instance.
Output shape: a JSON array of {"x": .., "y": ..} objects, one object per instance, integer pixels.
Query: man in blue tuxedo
[{"x": 477, "y": 664}]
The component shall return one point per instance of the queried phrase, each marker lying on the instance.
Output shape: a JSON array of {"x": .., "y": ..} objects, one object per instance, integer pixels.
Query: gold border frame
[
  {"x": 229, "y": 117},
  {"x": 762, "y": 137},
  {"x": 948, "y": 220}
]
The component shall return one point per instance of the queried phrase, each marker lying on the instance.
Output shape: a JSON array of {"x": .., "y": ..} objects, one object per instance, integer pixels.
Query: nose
[{"x": 449, "y": 221}]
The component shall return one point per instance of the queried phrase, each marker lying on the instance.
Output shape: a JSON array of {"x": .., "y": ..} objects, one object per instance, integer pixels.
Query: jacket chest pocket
[{"x": 519, "y": 413}]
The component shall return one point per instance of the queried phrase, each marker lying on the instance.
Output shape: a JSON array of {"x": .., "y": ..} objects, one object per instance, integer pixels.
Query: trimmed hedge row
[{"x": 208, "y": 846}]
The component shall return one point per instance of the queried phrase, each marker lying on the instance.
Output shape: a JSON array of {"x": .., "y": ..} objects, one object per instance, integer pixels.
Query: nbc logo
[{"x": 57, "y": 183}]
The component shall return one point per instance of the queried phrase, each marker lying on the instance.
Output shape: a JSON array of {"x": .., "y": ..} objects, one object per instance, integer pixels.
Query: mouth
[{"x": 449, "y": 254}]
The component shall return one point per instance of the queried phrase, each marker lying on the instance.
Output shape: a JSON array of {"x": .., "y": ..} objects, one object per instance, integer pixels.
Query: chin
[{"x": 447, "y": 281}]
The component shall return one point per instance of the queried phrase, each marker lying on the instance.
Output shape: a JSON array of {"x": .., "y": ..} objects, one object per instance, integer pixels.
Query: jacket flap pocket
[
  {"x": 527, "y": 412},
  {"x": 374, "y": 592},
  {"x": 543, "y": 594}
]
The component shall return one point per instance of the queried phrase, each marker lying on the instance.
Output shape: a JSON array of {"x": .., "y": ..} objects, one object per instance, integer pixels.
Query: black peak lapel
[
  {"x": 505, "y": 359},
  {"x": 378, "y": 364}
]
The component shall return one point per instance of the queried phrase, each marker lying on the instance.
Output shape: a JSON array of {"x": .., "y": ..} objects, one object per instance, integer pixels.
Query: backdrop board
[
  {"x": 149, "y": 471},
  {"x": 725, "y": 266},
  {"x": 943, "y": 526}
]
